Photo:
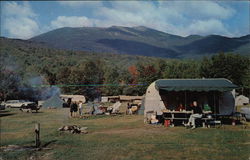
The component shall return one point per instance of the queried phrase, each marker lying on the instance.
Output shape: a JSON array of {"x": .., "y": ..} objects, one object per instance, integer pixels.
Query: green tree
[
  {"x": 147, "y": 75},
  {"x": 9, "y": 84},
  {"x": 182, "y": 69},
  {"x": 111, "y": 82},
  {"x": 63, "y": 79},
  {"x": 231, "y": 66}
]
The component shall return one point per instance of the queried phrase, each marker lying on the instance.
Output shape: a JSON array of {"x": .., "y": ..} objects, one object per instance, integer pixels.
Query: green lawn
[{"x": 119, "y": 137}]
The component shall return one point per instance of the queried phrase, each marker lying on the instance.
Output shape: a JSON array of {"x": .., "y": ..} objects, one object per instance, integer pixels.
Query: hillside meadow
[{"x": 118, "y": 137}]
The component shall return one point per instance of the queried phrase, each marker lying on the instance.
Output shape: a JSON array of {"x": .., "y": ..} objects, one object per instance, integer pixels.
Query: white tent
[
  {"x": 167, "y": 93},
  {"x": 241, "y": 100},
  {"x": 115, "y": 107}
]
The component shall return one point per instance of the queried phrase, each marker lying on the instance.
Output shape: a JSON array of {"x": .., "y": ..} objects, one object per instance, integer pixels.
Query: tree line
[{"x": 95, "y": 77}]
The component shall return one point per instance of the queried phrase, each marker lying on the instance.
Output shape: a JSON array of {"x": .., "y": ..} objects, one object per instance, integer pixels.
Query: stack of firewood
[{"x": 74, "y": 129}]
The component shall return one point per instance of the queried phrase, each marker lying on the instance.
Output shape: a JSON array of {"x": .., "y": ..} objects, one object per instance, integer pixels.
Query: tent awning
[{"x": 219, "y": 84}]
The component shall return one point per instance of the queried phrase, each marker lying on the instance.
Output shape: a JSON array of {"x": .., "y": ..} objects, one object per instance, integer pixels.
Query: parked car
[{"x": 17, "y": 103}]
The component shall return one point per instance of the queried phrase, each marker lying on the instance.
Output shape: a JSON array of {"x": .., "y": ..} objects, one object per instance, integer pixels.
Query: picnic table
[
  {"x": 176, "y": 115},
  {"x": 184, "y": 116}
]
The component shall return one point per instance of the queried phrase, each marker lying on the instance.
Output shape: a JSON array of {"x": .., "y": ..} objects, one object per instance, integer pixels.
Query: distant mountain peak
[
  {"x": 116, "y": 27},
  {"x": 140, "y": 40},
  {"x": 141, "y": 28}
]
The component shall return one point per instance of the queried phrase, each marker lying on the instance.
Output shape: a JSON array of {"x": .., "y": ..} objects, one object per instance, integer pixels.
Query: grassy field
[{"x": 118, "y": 137}]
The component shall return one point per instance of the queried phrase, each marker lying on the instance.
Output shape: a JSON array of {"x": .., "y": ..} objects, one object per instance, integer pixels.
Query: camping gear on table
[{"x": 207, "y": 107}]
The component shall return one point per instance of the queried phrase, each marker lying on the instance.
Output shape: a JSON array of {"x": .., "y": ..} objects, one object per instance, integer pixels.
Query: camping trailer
[{"x": 169, "y": 93}]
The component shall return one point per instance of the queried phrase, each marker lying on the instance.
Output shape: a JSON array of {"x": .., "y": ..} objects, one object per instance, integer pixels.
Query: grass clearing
[{"x": 119, "y": 137}]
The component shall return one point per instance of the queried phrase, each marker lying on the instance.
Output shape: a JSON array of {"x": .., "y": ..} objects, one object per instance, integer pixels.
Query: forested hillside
[
  {"x": 27, "y": 66},
  {"x": 142, "y": 41}
]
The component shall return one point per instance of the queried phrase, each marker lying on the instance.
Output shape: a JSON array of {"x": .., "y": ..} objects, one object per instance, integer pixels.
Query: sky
[{"x": 26, "y": 19}]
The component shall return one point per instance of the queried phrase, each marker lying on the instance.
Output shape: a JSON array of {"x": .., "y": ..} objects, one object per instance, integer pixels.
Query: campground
[{"x": 118, "y": 137}]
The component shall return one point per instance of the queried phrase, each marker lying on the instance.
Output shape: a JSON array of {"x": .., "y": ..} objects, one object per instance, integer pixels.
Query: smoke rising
[
  {"x": 17, "y": 84},
  {"x": 38, "y": 90}
]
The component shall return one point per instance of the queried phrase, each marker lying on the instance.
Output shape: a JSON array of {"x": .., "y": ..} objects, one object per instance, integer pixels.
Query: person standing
[
  {"x": 71, "y": 109},
  {"x": 197, "y": 113},
  {"x": 129, "y": 109},
  {"x": 74, "y": 109},
  {"x": 80, "y": 108}
]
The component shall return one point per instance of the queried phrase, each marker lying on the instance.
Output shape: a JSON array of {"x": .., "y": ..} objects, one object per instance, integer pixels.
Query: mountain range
[{"x": 141, "y": 41}]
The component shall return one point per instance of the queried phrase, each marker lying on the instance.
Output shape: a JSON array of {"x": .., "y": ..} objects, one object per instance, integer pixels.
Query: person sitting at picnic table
[
  {"x": 197, "y": 113},
  {"x": 180, "y": 107}
]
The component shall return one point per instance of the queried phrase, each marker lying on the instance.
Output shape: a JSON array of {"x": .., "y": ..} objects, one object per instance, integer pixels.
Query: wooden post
[{"x": 37, "y": 132}]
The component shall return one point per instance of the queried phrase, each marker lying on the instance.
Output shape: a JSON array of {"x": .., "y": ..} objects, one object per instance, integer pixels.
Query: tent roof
[
  {"x": 54, "y": 102},
  {"x": 219, "y": 84}
]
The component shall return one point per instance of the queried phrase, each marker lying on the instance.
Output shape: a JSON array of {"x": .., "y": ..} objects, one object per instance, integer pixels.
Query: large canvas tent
[
  {"x": 53, "y": 102},
  {"x": 169, "y": 93}
]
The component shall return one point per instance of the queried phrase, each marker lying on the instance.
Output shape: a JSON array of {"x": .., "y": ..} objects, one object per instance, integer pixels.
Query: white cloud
[
  {"x": 72, "y": 21},
  {"x": 13, "y": 9},
  {"x": 199, "y": 9},
  {"x": 211, "y": 26},
  {"x": 22, "y": 27},
  {"x": 181, "y": 18},
  {"x": 19, "y": 20}
]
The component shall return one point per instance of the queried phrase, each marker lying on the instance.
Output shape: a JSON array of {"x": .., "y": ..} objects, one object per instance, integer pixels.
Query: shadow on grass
[
  {"x": 6, "y": 114},
  {"x": 33, "y": 112},
  {"x": 3, "y": 111},
  {"x": 37, "y": 112},
  {"x": 48, "y": 143}
]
